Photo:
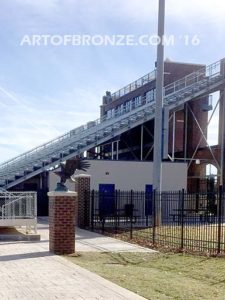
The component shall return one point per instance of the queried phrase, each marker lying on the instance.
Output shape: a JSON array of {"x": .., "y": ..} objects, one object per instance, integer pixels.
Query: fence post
[
  {"x": 92, "y": 209},
  {"x": 116, "y": 215},
  {"x": 154, "y": 221},
  {"x": 182, "y": 219},
  {"x": 146, "y": 204},
  {"x": 220, "y": 218},
  {"x": 131, "y": 214}
]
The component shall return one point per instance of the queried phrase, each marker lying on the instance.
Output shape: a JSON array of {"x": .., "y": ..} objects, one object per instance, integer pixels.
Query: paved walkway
[
  {"x": 87, "y": 241},
  {"x": 29, "y": 271}
]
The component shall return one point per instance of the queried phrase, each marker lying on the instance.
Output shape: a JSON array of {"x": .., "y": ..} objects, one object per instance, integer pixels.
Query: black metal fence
[{"x": 188, "y": 222}]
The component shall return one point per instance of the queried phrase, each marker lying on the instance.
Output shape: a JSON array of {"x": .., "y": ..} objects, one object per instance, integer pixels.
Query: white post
[
  {"x": 117, "y": 150},
  {"x": 222, "y": 138},
  {"x": 174, "y": 135},
  {"x": 112, "y": 151},
  {"x": 157, "y": 163},
  {"x": 142, "y": 135}
]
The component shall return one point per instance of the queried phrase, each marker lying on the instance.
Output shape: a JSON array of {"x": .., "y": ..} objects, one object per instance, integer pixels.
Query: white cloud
[
  {"x": 32, "y": 117},
  {"x": 43, "y": 6},
  {"x": 26, "y": 126},
  {"x": 202, "y": 9}
]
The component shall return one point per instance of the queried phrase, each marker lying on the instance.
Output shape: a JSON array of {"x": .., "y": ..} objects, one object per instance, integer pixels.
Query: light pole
[
  {"x": 158, "y": 131},
  {"x": 222, "y": 103}
]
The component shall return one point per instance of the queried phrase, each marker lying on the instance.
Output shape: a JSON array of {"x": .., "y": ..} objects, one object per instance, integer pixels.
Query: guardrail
[
  {"x": 134, "y": 85},
  {"x": 18, "y": 209}
]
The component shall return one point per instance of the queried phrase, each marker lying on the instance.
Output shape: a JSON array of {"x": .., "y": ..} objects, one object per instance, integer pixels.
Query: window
[
  {"x": 109, "y": 114},
  {"x": 128, "y": 106},
  {"x": 150, "y": 96},
  {"x": 137, "y": 101}
]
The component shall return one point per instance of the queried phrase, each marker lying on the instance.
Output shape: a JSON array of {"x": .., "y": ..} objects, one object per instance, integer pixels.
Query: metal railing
[
  {"x": 189, "y": 222},
  {"x": 18, "y": 209},
  {"x": 134, "y": 85},
  {"x": 18, "y": 205}
]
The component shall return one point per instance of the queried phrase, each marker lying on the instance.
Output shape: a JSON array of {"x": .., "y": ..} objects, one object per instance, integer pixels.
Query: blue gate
[
  {"x": 148, "y": 199},
  {"x": 106, "y": 200}
]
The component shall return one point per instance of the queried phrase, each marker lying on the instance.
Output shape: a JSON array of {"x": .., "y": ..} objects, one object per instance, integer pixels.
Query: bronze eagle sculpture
[{"x": 68, "y": 169}]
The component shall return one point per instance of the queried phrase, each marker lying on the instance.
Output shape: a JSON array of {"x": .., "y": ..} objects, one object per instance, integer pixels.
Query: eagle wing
[
  {"x": 70, "y": 167},
  {"x": 82, "y": 165},
  {"x": 75, "y": 164}
]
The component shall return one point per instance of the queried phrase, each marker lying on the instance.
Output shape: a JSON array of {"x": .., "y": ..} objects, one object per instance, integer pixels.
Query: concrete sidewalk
[
  {"x": 29, "y": 271},
  {"x": 87, "y": 241}
]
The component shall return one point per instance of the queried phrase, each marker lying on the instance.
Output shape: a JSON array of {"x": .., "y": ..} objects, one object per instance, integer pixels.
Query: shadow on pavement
[{"x": 25, "y": 256}]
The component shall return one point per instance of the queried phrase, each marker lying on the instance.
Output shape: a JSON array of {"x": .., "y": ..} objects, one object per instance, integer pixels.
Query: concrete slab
[{"x": 17, "y": 234}]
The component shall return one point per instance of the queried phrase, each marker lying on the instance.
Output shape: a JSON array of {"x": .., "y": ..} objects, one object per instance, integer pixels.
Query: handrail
[
  {"x": 134, "y": 85},
  {"x": 16, "y": 200},
  {"x": 17, "y": 195},
  {"x": 27, "y": 209}
]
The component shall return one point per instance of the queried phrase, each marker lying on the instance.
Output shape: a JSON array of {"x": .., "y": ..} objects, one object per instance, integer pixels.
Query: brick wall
[
  {"x": 62, "y": 222},
  {"x": 82, "y": 187}
]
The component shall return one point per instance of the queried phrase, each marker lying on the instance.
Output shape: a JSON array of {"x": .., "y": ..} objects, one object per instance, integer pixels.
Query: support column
[
  {"x": 82, "y": 187},
  {"x": 166, "y": 113},
  {"x": 142, "y": 137},
  {"x": 222, "y": 136},
  {"x": 62, "y": 222},
  {"x": 174, "y": 135},
  {"x": 112, "y": 151},
  {"x": 117, "y": 150},
  {"x": 157, "y": 157},
  {"x": 185, "y": 131}
]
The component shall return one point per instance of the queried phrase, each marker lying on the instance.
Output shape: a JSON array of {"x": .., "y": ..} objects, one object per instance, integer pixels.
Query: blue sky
[{"x": 48, "y": 90}]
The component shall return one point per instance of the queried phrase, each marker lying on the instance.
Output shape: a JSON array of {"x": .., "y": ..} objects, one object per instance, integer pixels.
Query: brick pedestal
[
  {"x": 62, "y": 222},
  {"x": 82, "y": 187}
]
